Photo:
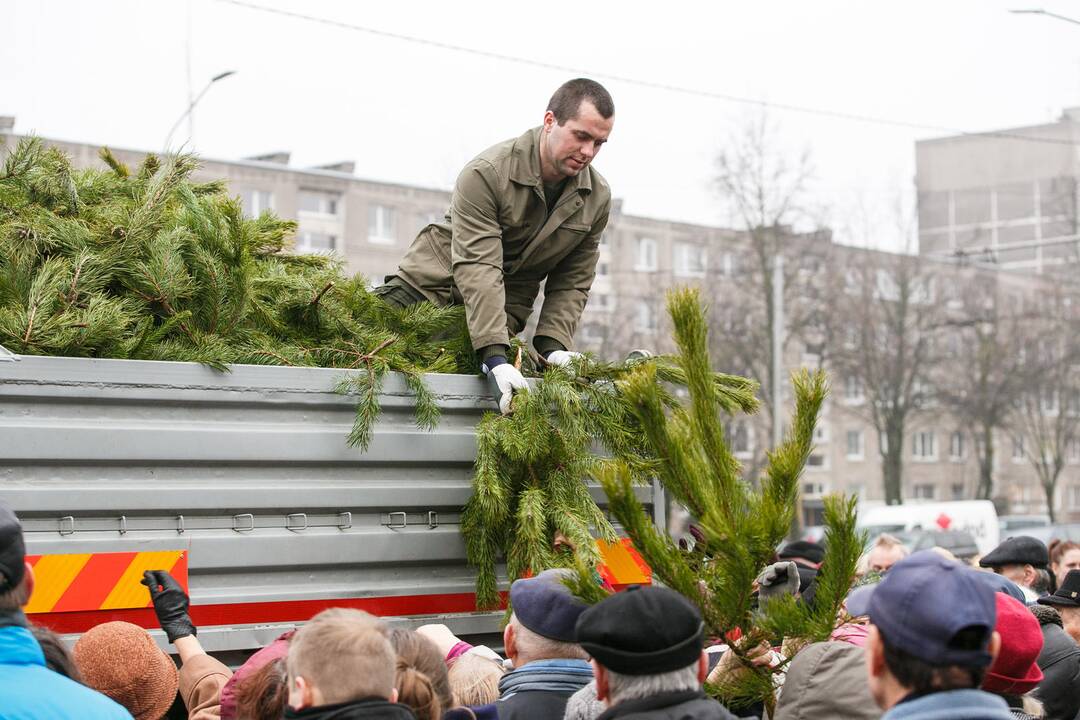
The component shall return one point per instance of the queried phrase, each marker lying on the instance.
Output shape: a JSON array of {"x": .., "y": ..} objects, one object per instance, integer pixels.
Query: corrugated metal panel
[{"x": 249, "y": 472}]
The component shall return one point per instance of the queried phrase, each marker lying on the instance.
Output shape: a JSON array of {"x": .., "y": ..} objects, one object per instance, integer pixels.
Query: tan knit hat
[{"x": 121, "y": 660}]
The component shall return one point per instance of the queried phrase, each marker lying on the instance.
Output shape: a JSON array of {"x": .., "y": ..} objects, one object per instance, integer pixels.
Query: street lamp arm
[
  {"x": 191, "y": 106},
  {"x": 1040, "y": 11}
]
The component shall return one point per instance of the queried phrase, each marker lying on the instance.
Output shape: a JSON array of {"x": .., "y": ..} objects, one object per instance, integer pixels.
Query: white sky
[{"x": 115, "y": 72}]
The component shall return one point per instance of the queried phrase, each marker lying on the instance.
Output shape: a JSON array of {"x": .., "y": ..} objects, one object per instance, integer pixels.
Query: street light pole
[{"x": 193, "y": 103}]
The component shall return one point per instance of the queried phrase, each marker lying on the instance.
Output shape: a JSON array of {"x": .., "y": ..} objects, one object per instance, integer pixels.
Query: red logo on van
[{"x": 944, "y": 521}]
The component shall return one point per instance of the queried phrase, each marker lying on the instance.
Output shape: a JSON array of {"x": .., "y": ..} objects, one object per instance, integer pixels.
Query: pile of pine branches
[{"x": 147, "y": 264}]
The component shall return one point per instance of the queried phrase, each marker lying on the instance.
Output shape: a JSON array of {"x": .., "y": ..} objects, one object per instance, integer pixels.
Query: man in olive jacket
[{"x": 523, "y": 211}]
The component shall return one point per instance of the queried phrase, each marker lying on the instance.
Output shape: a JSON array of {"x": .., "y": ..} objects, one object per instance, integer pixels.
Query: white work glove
[
  {"x": 562, "y": 358},
  {"x": 509, "y": 379}
]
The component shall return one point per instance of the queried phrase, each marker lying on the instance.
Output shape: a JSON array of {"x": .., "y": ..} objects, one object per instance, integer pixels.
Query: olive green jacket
[{"x": 498, "y": 243}]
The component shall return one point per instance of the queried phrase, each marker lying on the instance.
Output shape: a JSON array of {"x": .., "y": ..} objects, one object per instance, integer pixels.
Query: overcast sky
[{"x": 115, "y": 72}]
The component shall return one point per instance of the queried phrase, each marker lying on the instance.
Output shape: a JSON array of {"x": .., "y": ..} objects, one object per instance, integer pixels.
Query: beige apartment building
[
  {"x": 369, "y": 224},
  {"x": 1007, "y": 196}
]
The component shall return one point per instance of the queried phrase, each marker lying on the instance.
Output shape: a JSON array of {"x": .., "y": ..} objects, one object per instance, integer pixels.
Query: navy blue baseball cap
[
  {"x": 923, "y": 603},
  {"x": 545, "y": 605}
]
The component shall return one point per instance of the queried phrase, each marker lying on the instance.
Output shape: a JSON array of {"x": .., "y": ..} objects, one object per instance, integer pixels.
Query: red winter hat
[{"x": 1014, "y": 671}]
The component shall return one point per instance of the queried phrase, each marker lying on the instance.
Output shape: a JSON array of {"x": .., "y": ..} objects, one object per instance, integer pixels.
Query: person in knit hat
[
  {"x": 122, "y": 661},
  {"x": 28, "y": 689},
  {"x": 1015, "y": 672},
  {"x": 647, "y": 648}
]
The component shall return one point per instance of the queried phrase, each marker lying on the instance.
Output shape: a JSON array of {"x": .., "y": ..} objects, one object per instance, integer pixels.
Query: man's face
[
  {"x": 1019, "y": 574},
  {"x": 1070, "y": 620},
  {"x": 569, "y": 148},
  {"x": 883, "y": 557}
]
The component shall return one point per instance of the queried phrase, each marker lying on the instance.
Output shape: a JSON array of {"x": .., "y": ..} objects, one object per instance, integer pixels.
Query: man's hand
[
  {"x": 562, "y": 358},
  {"x": 509, "y": 379},
  {"x": 171, "y": 604}
]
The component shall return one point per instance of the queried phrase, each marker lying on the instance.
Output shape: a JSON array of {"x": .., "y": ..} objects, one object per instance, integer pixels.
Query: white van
[{"x": 978, "y": 517}]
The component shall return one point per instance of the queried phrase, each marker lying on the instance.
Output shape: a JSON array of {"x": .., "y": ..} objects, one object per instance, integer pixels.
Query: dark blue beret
[{"x": 546, "y": 606}]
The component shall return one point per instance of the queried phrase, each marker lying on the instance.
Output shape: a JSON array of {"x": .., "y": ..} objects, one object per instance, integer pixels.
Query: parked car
[
  {"x": 1065, "y": 531},
  {"x": 960, "y": 543},
  {"x": 1011, "y": 524}
]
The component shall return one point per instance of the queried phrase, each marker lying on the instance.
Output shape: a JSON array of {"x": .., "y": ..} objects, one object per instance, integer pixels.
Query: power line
[{"x": 725, "y": 97}]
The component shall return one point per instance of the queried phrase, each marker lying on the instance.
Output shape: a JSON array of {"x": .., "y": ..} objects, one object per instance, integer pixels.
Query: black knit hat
[
  {"x": 1021, "y": 550},
  {"x": 805, "y": 549},
  {"x": 642, "y": 631},
  {"x": 12, "y": 549}
]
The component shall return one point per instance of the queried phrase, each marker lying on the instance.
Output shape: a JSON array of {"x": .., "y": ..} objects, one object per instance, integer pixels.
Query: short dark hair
[
  {"x": 923, "y": 678},
  {"x": 567, "y": 100}
]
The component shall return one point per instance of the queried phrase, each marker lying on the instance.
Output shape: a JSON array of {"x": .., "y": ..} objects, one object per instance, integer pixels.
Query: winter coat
[
  {"x": 368, "y": 709},
  {"x": 28, "y": 689},
  {"x": 499, "y": 242},
  {"x": 827, "y": 680},
  {"x": 680, "y": 705},
  {"x": 1059, "y": 660},
  {"x": 951, "y": 705},
  {"x": 201, "y": 680}
]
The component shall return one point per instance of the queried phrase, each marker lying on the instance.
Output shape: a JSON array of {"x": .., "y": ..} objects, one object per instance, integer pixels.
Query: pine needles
[
  {"x": 151, "y": 265},
  {"x": 741, "y": 526}
]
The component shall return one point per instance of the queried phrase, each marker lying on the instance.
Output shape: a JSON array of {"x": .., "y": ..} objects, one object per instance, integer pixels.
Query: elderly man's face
[
  {"x": 1019, "y": 574},
  {"x": 883, "y": 557}
]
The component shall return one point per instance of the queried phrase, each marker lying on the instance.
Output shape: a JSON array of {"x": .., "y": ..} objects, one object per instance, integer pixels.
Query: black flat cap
[
  {"x": 642, "y": 631},
  {"x": 546, "y": 606},
  {"x": 12, "y": 549},
  {"x": 1068, "y": 595},
  {"x": 1020, "y": 550},
  {"x": 802, "y": 549}
]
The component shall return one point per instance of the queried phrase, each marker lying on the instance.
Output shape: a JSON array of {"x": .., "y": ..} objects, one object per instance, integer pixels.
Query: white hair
[
  {"x": 537, "y": 647},
  {"x": 632, "y": 687}
]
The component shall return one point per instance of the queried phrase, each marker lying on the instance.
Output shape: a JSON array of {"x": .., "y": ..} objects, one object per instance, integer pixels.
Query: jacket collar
[
  {"x": 375, "y": 708},
  {"x": 653, "y": 702},
  {"x": 18, "y": 647},
  {"x": 525, "y": 164}
]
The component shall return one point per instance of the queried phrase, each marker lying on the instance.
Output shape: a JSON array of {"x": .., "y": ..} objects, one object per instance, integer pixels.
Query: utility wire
[{"x": 767, "y": 104}]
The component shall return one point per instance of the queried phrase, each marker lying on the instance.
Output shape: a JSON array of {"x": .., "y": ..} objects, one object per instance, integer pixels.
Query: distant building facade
[{"x": 1009, "y": 197}]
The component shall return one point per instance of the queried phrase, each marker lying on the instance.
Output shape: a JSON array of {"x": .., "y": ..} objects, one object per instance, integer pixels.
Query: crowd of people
[{"x": 923, "y": 637}]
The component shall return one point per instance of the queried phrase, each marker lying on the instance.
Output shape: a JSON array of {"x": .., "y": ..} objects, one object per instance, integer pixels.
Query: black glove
[{"x": 170, "y": 604}]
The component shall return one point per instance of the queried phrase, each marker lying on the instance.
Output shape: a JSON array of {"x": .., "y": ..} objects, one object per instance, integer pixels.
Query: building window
[
  {"x": 315, "y": 242},
  {"x": 602, "y": 269},
  {"x": 821, "y": 433},
  {"x": 646, "y": 255},
  {"x": 727, "y": 264},
  {"x": 742, "y": 442},
  {"x": 1072, "y": 450},
  {"x": 601, "y": 301},
  {"x": 956, "y": 446},
  {"x": 816, "y": 461},
  {"x": 958, "y": 491},
  {"x": 1018, "y": 449},
  {"x": 317, "y": 201},
  {"x": 922, "y": 446},
  {"x": 256, "y": 202},
  {"x": 853, "y": 390},
  {"x": 923, "y": 491},
  {"x": 1074, "y": 496},
  {"x": 854, "y": 444},
  {"x": 689, "y": 259},
  {"x": 883, "y": 442},
  {"x": 381, "y": 225},
  {"x": 813, "y": 489},
  {"x": 644, "y": 318}
]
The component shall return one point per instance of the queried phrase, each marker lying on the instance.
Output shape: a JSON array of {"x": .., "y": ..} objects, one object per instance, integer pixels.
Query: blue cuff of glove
[{"x": 493, "y": 362}]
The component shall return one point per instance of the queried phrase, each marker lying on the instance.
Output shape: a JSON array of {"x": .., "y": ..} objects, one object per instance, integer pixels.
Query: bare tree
[
  {"x": 1045, "y": 420},
  {"x": 764, "y": 188},
  {"x": 980, "y": 376},
  {"x": 892, "y": 321}
]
